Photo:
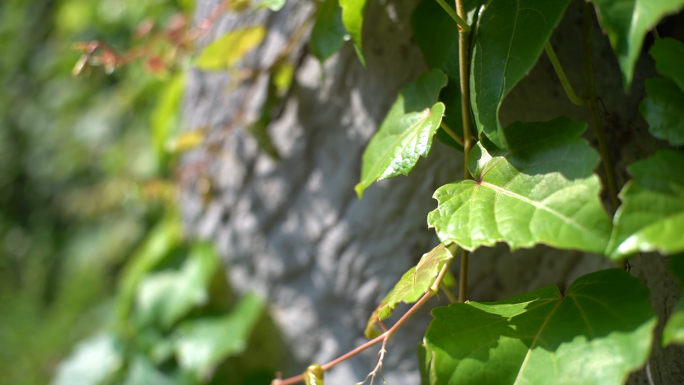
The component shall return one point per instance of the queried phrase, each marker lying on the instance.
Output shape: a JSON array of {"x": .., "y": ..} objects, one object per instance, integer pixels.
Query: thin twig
[
  {"x": 561, "y": 76},
  {"x": 462, "y": 25},
  {"x": 451, "y": 133}
]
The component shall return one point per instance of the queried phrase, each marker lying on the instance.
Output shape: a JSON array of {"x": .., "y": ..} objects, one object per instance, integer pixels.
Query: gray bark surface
[{"x": 293, "y": 230}]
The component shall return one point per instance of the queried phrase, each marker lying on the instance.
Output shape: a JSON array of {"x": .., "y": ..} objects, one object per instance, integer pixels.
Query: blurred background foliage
[{"x": 90, "y": 244}]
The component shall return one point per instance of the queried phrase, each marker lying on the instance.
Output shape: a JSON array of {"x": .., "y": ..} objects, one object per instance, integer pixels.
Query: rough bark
[{"x": 294, "y": 231}]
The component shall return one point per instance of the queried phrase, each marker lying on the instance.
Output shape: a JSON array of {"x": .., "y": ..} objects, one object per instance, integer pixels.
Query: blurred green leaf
[
  {"x": 327, "y": 35},
  {"x": 412, "y": 285},
  {"x": 406, "y": 133},
  {"x": 674, "y": 329},
  {"x": 508, "y": 39},
  {"x": 626, "y": 22},
  {"x": 542, "y": 190},
  {"x": 651, "y": 217},
  {"x": 273, "y": 5},
  {"x": 203, "y": 343},
  {"x": 352, "y": 19},
  {"x": 166, "y": 296},
  {"x": 142, "y": 372},
  {"x": 225, "y": 51},
  {"x": 597, "y": 333},
  {"x": 93, "y": 362},
  {"x": 165, "y": 119},
  {"x": 668, "y": 54},
  {"x": 663, "y": 109}
]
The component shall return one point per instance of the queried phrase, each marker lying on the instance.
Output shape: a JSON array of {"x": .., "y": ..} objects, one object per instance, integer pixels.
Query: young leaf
[
  {"x": 352, "y": 19},
  {"x": 626, "y": 22},
  {"x": 674, "y": 329},
  {"x": 202, "y": 343},
  {"x": 668, "y": 54},
  {"x": 509, "y": 37},
  {"x": 542, "y": 190},
  {"x": 663, "y": 109},
  {"x": 596, "y": 334},
  {"x": 406, "y": 133},
  {"x": 327, "y": 34},
  {"x": 651, "y": 217},
  {"x": 412, "y": 285},
  {"x": 313, "y": 375},
  {"x": 229, "y": 48}
]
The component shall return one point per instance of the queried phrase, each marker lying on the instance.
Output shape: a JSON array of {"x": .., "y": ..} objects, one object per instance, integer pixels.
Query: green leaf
[
  {"x": 160, "y": 241},
  {"x": 412, "y": 285},
  {"x": 93, "y": 362},
  {"x": 327, "y": 35},
  {"x": 406, "y": 133},
  {"x": 542, "y": 190},
  {"x": 598, "y": 333},
  {"x": 352, "y": 19},
  {"x": 225, "y": 51},
  {"x": 674, "y": 329},
  {"x": 165, "y": 118},
  {"x": 142, "y": 372},
  {"x": 509, "y": 38},
  {"x": 423, "y": 364},
  {"x": 663, "y": 109},
  {"x": 668, "y": 54},
  {"x": 166, "y": 296},
  {"x": 651, "y": 217},
  {"x": 313, "y": 375},
  {"x": 626, "y": 22},
  {"x": 203, "y": 343}
]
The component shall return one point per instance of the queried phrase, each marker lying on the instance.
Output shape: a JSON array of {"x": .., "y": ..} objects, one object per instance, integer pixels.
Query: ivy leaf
[
  {"x": 327, "y": 34},
  {"x": 203, "y": 343},
  {"x": 651, "y": 217},
  {"x": 166, "y": 296},
  {"x": 406, "y": 133},
  {"x": 225, "y": 51},
  {"x": 509, "y": 38},
  {"x": 597, "y": 333},
  {"x": 542, "y": 190},
  {"x": 352, "y": 19},
  {"x": 412, "y": 285},
  {"x": 626, "y": 22},
  {"x": 674, "y": 329},
  {"x": 663, "y": 109},
  {"x": 668, "y": 54}
]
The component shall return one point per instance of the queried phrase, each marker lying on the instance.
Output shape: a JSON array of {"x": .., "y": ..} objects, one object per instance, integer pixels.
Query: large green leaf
[
  {"x": 674, "y": 329},
  {"x": 412, "y": 285},
  {"x": 203, "y": 343},
  {"x": 406, "y": 133},
  {"x": 166, "y": 296},
  {"x": 651, "y": 217},
  {"x": 327, "y": 34},
  {"x": 663, "y": 109},
  {"x": 596, "y": 334},
  {"x": 509, "y": 37},
  {"x": 225, "y": 51},
  {"x": 352, "y": 19},
  {"x": 668, "y": 54},
  {"x": 626, "y": 22},
  {"x": 542, "y": 190}
]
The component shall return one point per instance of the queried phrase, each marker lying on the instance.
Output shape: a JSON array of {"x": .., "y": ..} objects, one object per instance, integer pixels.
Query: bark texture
[{"x": 293, "y": 230}]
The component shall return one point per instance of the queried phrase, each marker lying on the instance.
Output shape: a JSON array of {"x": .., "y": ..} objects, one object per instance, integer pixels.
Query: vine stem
[
  {"x": 561, "y": 76},
  {"x": 458, "y": 18},
  {"x": 464, "y": 75},
  {"x": 382, "y": 337}
]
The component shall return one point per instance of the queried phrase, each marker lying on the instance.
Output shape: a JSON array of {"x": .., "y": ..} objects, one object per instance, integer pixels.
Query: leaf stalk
[
  {"x": 458, "y": 18},
  {"x": 561, "y": 76}
]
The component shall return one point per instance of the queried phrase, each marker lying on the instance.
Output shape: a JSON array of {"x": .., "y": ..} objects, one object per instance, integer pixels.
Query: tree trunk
[{"x": 294, "y": 231}]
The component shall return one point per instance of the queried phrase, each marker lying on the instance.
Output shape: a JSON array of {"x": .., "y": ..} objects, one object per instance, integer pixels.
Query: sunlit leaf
[
  {"x": 651, "y": 217},
  {"x": 597, "y": 333},
  {"x": 543, "y": 190},
  {"x": 166, "y": 114},
  {"x": 626, "y": 22},
  {"x": 668, "y": 54},
  {"x": 203, "y": 343},
  {"x": 352, "y": 19},
  {"x": 663, "y": 109},
  {"x": 412, "y": 285},
  {"x": 313, "y": 375},
  {"x": 93, "y": 362},
  {"x": 185, "y": 141},
  {"x": 327, "y": 35},
  {"x": 509, "y": 38},
  {"x": 674, "y": 329},
  {"x": 166, "y": 296},
  {"x": 282, "y": 78},
  {"x": 225, "y": 51},
  {"x": 406, "y": 133}
]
